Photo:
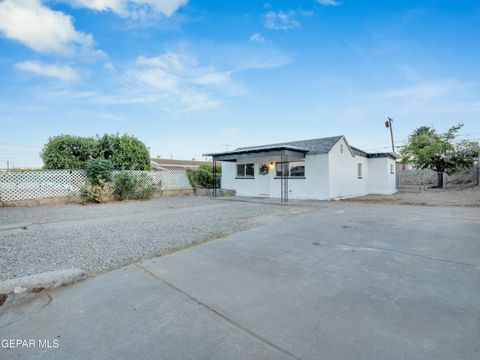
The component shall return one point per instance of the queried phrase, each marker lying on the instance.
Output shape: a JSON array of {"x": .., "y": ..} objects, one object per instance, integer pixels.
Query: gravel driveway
[
  {"x": 101, "y": 237},
  {"x": 469, "y": 196}
]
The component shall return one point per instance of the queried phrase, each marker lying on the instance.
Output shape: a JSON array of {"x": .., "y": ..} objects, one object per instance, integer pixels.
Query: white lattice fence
[
  {"x": 30, "y": 185},
  {"x": 166, "y": 179},
  {"x": 174, "y": 179},
  {"x": 26, "y": 185}
]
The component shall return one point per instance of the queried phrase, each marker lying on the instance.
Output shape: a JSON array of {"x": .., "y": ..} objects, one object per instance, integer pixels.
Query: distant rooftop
[{"x": 173, "y": 164}]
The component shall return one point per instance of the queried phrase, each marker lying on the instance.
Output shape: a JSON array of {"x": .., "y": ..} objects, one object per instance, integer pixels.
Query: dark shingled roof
[{"x": 316, "y": 146}]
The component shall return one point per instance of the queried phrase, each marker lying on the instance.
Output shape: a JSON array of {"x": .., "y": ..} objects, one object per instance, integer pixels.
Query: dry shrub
[{"x": 101, "y": 192}]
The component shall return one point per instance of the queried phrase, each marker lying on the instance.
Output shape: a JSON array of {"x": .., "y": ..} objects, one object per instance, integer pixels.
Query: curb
[{"x": 16, "y": 289}]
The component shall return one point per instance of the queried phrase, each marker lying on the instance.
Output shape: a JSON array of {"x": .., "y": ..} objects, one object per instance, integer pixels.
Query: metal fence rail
[{"x": 39, "y": 184}]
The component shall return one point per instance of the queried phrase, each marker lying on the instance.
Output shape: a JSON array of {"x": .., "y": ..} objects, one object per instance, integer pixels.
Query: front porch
[{"x": 262, "y": 172}]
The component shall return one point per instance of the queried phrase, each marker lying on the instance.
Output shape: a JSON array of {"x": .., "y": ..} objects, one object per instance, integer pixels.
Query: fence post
[
  {"x": 397, "y": 178},
  {"x": 478, "y": 169}
]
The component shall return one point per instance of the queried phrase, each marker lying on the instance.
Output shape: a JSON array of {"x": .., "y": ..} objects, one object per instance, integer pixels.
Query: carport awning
[{"x": 259, "y": 152}]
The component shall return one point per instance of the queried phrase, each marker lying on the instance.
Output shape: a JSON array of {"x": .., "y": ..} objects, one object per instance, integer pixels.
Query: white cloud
[
  {"x": 426, "y": 90},
  {"x": 178, "y": 82},
  {"x": 63, "y": 72},
  {"x": 213, "y": 78},
  {"x": 258, "y": 38},
  {"x": 168, "y": 61},
  {"x": 435, "y": 96},
  {"x": 267, "y": 60},
  {"x": 40, "y": 28},
  {"x": 131, "y": 8},
  {"x": 157, "y": 78},
  {"x": 329, "y": 2},
  {"x": 179, "y": 79},
  {"x": 174, "y": 81},
  {"x": 109, "y": 66},
  {"x": 281, "y": 20}
]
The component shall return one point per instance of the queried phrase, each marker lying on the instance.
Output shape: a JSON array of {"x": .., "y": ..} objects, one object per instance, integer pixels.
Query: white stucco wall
[
  {"x": 314, "y": 186},
  {"x": 243, "y": 187},
  {"x": 344, "y": 181},
  {"x": 382, "y": 181}
]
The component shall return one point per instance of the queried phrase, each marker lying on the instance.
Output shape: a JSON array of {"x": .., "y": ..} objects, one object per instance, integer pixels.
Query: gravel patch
[
  {"x": 49, "y": 213},
  {"x": 97, "y": 238}
]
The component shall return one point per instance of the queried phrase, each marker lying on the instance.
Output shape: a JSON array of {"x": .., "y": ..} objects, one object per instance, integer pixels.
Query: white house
[{"x": 320, "y": 169}]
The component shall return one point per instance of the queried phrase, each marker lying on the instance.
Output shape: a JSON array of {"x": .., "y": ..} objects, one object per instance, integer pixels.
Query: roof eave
[{"x": 257, "y": 150}]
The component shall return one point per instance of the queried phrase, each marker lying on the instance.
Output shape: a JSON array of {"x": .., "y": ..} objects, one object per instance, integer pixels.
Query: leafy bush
[
  {"x": 98, "y": 170},
  {"x": 191, "y": 177},
  {"x": 125, "y": 184},
  {"x": 129, "y": 186},
  {"x": 126, "y": 152},
  {"x": 100, "y": 192},
  {"x": 145, "y": 187},
  {"x": 68, "y": 152},
  {"x": 203, "y": 176}
]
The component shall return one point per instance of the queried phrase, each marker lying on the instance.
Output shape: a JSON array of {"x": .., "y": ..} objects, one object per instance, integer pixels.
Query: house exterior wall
[
  {"x": 242, "y": 187},
  {"x": 343, "y": 167},
  {"x": 313, "y": 186},
  {"x": 382, "y": 180}
]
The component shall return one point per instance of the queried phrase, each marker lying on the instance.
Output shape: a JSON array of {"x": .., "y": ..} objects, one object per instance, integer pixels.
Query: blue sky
[{"x": 188, "y": 77}]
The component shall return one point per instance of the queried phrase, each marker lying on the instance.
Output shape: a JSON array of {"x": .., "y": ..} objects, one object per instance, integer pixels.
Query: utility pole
[{"x": 388, "y": 124}]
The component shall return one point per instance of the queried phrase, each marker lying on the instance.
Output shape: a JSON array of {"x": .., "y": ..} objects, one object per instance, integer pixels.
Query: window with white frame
[
  {"x": 341, "y": 148},
  {"x": 392, "y": 169},
  {"x": 294, "y": 169},
  {"x": 245, "y": 171},
  {"x": 359, "y": 170}
]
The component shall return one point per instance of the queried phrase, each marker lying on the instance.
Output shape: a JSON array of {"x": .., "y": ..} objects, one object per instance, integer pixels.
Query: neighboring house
[
  {"x": 172, "y": 164},
  {"x": 309, "y": 169}
]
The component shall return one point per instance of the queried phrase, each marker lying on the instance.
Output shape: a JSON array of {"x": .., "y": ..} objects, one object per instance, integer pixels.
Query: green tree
[
  {"x": 68, "y": 152},
  {"x": 427, "y": 149},
  {"x": 125, "y": 152}
]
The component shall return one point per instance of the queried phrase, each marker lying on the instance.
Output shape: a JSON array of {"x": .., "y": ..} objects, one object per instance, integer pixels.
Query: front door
[{"x": 263, "y": 180}]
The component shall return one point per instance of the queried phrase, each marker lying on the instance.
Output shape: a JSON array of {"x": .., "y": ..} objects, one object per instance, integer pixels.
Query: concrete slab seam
[{"x": 218, "y": 313}]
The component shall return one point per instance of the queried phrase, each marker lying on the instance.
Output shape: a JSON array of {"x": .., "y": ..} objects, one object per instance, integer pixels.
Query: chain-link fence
[
  {"x": 421, "y": 179},
  {"x": 39, "y": 184}
]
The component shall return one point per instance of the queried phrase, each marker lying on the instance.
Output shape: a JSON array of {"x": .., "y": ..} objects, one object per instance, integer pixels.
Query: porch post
[
  {"x": 284, "y": 179},
  {"x": 214, "y": 168}
]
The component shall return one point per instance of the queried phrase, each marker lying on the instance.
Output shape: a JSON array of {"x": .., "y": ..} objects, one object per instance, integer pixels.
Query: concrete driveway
[{"x": 348, "y": 281}]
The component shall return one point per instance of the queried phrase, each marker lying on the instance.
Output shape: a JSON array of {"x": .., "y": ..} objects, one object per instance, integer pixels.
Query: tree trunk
[{"x": 440, "y": 180}]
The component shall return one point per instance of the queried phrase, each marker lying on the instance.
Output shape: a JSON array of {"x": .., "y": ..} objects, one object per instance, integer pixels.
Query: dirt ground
[{"x": 432, "y": 197}]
